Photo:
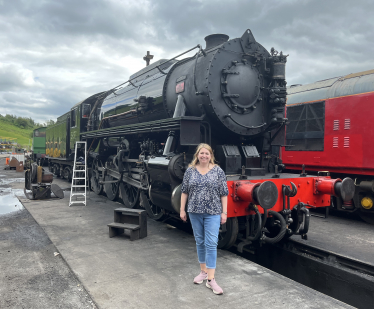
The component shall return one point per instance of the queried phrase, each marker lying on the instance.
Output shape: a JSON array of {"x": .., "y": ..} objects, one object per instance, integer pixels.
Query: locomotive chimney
[{"x": 215, "y": 39}]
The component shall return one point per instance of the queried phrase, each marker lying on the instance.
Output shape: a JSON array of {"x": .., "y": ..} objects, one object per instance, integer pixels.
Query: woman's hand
[
  {"x": 183, "y": 215},
  {"x": 223, "y": 218},
  {"x": 182, "y": 212}
]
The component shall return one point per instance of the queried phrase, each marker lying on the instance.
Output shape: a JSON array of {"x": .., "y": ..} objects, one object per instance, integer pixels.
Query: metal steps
[{"x": 77, "y": 195}]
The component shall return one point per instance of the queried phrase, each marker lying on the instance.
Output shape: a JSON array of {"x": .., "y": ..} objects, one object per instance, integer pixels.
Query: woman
[{"x": 205, "y": 187}]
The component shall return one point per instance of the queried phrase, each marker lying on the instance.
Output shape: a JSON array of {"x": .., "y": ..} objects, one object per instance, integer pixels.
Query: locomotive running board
[{"x": 167, "y": 124}]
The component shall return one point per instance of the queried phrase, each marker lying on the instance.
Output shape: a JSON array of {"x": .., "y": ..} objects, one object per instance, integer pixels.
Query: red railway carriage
[{"x": 331, "y": 128}]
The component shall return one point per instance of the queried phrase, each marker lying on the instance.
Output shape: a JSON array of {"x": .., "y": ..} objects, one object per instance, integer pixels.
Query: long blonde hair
[{"x": 195, "y": 159}]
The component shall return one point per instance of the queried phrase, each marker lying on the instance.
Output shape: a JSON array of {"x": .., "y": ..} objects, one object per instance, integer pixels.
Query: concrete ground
[
  {"x": 157, "y": 271},
  {"x": 31, "y": 275}
]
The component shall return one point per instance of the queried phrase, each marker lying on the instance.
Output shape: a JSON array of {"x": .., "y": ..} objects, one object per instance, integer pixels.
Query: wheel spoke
[
  {"x": 111, "y": 188},
  {"x": 130, "y": 194},
  {"x": 153, "y": 211}
]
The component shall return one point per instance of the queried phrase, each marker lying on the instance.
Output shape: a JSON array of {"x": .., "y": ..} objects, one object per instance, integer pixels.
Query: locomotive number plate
[{"x": 179, "y": 87}]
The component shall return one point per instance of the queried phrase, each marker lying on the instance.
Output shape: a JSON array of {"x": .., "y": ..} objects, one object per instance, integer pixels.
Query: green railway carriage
[
  {"x": 56, "y": 138},
  {"x": 38, "y": 143},
  {"x": 61, "y": 137}
]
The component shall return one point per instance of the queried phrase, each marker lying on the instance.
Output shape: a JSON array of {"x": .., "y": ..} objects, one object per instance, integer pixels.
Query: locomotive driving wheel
[
  {"x": 111, "y": 188},
  {"x": 95, "y": 178},
  {"x": 56, "y": 170},
  {"x": 67, "y": 173},
  {"x": 129, "y": 194},
  {"x": 153, "y": 211},
  {"x": 228, "y": 233}
]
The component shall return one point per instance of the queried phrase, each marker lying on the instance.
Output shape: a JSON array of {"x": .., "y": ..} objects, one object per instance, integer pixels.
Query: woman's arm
[
  {"x": 223, "y": 192},
  {"x": 224, "y": 209},
  {"x": 184, "y": 196},
  {"x": 183, "y": 214}
]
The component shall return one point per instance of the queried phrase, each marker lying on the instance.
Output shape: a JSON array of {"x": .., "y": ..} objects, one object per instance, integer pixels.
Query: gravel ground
[{"x": 32, "y": 276}]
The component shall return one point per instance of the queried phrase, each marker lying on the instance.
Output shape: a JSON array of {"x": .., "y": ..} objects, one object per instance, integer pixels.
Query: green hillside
[
  {"x": 19, "y": 128},
  {"x": 9, "y": 130}
]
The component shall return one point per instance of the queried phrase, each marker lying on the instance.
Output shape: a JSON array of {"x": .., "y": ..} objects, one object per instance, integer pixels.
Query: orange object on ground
[{"x": 7, "y": 161}]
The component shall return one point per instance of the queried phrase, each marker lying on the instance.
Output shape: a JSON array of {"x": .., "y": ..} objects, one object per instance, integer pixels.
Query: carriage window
[
  {"x": 86, "y": 110},
  {"x": 306, "y": 127},
  {"x": 38, "y": 133},
  {"x": 73, "y": 116}
]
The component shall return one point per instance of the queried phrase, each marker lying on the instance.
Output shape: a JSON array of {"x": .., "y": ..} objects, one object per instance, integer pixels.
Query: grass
[{"x": 23, "y": 136}]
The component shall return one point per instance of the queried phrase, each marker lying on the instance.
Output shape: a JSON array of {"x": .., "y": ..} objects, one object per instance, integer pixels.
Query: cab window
[
  {"x": 86, "y": 110},
  {"x": 73, "y": 117}
]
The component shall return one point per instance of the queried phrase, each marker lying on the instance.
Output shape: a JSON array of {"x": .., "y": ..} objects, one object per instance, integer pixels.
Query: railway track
[
  {"x": 344, "y": 278},
  {"x": 329, "y": 257}
]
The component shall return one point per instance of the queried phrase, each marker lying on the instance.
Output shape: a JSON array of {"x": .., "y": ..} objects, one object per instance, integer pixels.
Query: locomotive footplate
[{"x": 305, "y": 193}]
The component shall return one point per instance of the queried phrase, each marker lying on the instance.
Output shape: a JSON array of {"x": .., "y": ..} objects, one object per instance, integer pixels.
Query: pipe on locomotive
[
  {"x": 282, "y": 231},
  {"x": 265, "y": 195},
  {"x": 180, "y": 110}
]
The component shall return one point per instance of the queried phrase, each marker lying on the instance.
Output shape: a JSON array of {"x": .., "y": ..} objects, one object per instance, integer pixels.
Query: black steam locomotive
[
  {"x": 231, "y": 93},
  {"x": 142, "y": 135}
]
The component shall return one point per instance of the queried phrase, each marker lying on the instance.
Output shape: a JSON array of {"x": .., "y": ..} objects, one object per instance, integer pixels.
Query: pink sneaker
[
  {"x": 214, "y": 286},
  {"x": 200, "y": 277}
]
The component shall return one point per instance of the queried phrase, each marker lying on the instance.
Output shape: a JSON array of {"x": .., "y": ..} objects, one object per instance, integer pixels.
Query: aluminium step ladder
[{"x": 78, "y": 192}]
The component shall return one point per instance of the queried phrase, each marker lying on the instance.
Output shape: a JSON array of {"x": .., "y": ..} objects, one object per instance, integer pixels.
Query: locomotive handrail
[
  {"x": 242, "y": 125},
  {"x": 194, "y": 69},
  {"x": 132, "y": 83},
  {"x": 161, "y": 71}
]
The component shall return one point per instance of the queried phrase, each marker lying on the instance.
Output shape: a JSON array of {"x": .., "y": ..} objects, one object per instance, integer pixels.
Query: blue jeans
[{"x": 205, "y": 229}]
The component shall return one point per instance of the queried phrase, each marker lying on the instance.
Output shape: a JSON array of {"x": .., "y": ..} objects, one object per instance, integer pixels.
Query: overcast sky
[{"x": 55, "y": 53}]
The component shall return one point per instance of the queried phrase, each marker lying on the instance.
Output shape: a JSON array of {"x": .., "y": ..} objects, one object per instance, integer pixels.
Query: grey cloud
[
  {"x": 57, "y": 53},
  {"x": 15, "y": 76}
]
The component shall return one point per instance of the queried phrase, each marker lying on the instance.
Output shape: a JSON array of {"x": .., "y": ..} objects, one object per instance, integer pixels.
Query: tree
[{"x": 50, "y": 122}]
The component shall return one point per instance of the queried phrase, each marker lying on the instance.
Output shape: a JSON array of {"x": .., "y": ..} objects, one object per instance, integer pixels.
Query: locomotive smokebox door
[
  {"x": 190, "y": 132},
  {"x": 229, "y": 158}
]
